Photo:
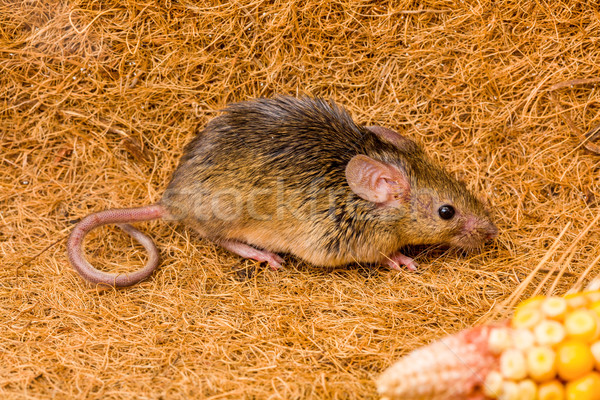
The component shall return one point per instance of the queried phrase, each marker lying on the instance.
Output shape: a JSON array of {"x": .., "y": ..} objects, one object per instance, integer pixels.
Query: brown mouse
[{"x": 299, "y": 176}]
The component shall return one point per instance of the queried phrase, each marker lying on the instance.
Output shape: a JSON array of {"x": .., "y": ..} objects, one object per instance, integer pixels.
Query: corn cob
[{"x": 549, "y": 350}]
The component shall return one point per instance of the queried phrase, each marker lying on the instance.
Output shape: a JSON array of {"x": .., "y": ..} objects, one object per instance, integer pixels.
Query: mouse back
[{"x": 303, "y": 144}]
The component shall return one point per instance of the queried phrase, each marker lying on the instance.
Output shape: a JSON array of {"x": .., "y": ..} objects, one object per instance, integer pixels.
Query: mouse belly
[
  {"x": 311, "y": 248},
  {"x": 262, "y": 244}
]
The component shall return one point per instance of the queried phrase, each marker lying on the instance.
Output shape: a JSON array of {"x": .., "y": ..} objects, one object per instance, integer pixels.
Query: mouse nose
[
  {"x": 491, "y": 232},
  {"x": 483, "y": 228}
]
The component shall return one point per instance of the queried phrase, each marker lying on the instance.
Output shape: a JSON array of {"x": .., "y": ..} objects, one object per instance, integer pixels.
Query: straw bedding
[{"x": 97, "y": 100}]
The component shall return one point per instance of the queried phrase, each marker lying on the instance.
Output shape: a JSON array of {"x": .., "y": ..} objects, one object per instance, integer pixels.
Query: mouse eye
[{"x": 446, "y": 212}]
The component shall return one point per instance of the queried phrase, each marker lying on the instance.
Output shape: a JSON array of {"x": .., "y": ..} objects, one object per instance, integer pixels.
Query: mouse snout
[
  {"x": 479, "y": 229},
  {"x": 482, "y": 227},
  {"x": 491, "y": 231}
]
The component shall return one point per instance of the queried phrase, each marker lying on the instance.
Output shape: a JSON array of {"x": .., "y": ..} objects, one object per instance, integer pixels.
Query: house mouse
[{"x": 299, "y": 176}]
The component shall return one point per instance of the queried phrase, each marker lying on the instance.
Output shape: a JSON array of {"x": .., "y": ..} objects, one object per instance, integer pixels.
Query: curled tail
[{"x": 121, "y": 217}]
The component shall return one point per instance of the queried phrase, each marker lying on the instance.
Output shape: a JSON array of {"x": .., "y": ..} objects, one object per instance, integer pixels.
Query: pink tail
[{"x": 121, "y": 217}]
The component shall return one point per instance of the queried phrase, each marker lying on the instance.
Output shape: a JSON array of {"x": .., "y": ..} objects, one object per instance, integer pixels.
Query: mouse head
[{"x": 429, "y": 205}]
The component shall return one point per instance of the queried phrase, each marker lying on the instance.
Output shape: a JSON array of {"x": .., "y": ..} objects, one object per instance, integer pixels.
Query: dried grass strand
[
  {"x": 98, "y": 100},
  {"x": 508, "y": 304}
]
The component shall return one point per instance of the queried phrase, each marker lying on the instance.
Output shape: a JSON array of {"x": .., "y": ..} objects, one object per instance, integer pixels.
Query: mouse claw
[
  {"x": 274, "y": 261},
  {"x": 397, "y": 259},
  {"x": 247, "y": 251}
]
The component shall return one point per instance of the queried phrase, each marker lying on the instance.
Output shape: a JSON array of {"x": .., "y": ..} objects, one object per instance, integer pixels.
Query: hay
[{"x": 97, "y": 100}]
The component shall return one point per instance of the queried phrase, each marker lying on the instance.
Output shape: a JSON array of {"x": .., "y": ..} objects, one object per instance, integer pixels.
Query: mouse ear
[
  {"x": 391, "y": 136},
  {"x": 376, "y": 181}
]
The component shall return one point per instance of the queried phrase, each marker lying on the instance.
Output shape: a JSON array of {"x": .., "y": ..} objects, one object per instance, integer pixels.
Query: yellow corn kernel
[
  {"x": 576, "y": 300},
  {"x": 541, "y": 363},
  {"x": 527, "y": 390},
  {"x": 595, "y": 307},
  {"x": 499, "y": 340},
  {"x": 512, "y": 364},
  {"x": 595, "y": 349},
  {"x": 582, "y": 325},
  {"x": 522, "y": 339},
  {"x": 549, "y": 333},
  {"x": 593, "y": 296},
  {"x": 553, "y": 390},
  {"x": 510, "y": 391},
  {"x": 492, "y": 386},
  {"x": 574, "y": 359},
  {"x": 585, "y": 388},
  {"x": 526, "y": 318},
  {"x": 554, "y": 307}
]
